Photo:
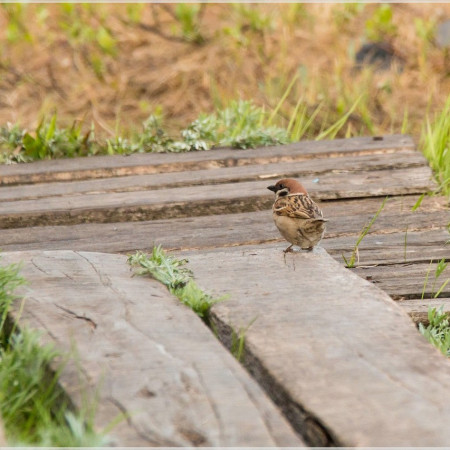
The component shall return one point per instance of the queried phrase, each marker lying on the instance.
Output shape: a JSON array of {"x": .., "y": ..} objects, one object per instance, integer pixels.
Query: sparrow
[{"x": 297, "y": 217}]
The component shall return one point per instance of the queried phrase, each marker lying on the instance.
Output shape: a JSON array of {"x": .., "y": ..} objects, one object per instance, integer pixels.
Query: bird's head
[{"x": 287, "y": 186}]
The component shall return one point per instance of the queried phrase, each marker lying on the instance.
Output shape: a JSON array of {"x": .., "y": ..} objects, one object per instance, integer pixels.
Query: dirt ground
[{"x": 116, "y": 64}]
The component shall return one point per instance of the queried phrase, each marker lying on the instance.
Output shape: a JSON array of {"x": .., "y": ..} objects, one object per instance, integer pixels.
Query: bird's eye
[{"x": 282, "y": 186}]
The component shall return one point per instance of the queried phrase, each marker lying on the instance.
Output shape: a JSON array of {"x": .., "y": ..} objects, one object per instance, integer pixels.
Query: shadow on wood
[
  {"x": 343, "y": 361},
  {"x": 147, "y": 357}
]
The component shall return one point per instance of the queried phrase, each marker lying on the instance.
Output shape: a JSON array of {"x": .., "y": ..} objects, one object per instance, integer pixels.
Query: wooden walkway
[
  {"x": 219, "y": 198},
  {"x": 348, "y": 342}
]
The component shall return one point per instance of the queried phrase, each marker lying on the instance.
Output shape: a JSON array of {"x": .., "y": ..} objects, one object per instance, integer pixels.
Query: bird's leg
[{"x": 289, "y": 249}]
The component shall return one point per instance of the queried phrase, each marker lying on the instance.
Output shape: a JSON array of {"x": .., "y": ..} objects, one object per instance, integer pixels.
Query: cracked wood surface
[
  {"x": 203, "y": 200},
  {"x": 148, "y": 356},
  {"x": 407, "y": 280},
  {"x": 185, "y": 198},
  {"x": 346, "y": 219},
  {"x": 296, "y": 169},
  {"x": 341, "y": 359},
  {"x": 139, "y": 164}
]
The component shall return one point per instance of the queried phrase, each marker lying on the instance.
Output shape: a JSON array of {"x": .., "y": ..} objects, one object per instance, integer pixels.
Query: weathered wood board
[
  {"x": 342, "y": 360},
  {"x": 296, "y": 169},
  {"x": 407, "y": 280},
  {"x": 387, "y": 249},
  {"x": 149, "y": 356},
  {"x": 139, "y": 164},
  {"x": 201, "y": 200},
  {"x": 346, "y": 219}
]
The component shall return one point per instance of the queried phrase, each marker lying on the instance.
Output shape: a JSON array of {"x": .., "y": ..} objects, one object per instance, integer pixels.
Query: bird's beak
[{"x": 272, "y": 188}]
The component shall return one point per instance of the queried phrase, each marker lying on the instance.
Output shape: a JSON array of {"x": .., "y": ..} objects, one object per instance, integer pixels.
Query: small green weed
[
  {"x": 52, "y": 142},
  {"x": 435, "y": 143},
  {"x": 87, "y": 33},
  {"x": 350, "y": 263},
  {"x": 188, "y": 17},
  {"x": 11, "y": 137},
  {"x": 241, "y": 125},
  {"x": 252, "y": 18},
  {"x": 238, "y": 341},
  {"x": 16, "y": 28},
  {"x": 172, "y": 273},
  {"x": 344, "y": 13},
  {"x": 380, "y": 25},
  {"x": 438, "y": 330},
  {"x": 10, "y": 280},
  {"x": 440, "y": 267},
  {"x": 32, "y": 405}
]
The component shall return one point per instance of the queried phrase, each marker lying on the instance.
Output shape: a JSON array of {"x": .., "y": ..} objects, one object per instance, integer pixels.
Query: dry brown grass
[{"x": 153, "y": 68}]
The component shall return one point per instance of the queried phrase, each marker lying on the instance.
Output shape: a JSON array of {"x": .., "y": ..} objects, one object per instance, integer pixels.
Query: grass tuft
[
  {"x": 438, "y": 330},
  {"x": 350, "y": 263},
  {"x": 33, "y": 407},
  {"x": 241, "y": 125},
  {"x": 171, "y": 272},
  {"x": 435, "y": 142}
]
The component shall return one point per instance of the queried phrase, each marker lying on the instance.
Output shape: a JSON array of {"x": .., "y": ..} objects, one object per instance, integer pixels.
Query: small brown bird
[{"x": 299, "y": 220}]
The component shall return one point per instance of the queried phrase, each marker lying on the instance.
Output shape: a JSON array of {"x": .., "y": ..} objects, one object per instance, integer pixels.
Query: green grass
[
  {"x": 240, "y": 125},
  {"x": 238, "y": 341},
  {"x": 435, "y": 144},
  {"x": 33, "y": 407},
  {"x": 350, "y": 262},
  {"x": 172, "y": 273},
  {"x": 438, "y": 330},
  {"x": 440, "y": 267}
]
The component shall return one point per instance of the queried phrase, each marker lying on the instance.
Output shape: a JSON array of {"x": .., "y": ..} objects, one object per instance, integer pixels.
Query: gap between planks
[
  {"x": 214, "y": 176},
  {"x": 347, "y": 217},
  {"x": 113, "y": 166},
  {"x": 142, "y": 353},
  {"x": 202, "y": 200},
  {"x": 341, "y": 350}
]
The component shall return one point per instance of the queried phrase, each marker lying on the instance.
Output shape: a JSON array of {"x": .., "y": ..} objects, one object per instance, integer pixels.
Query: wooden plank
[
  {"x": 333, "y": 351},
  {"x": 387, "y": 249},
  {"x": 214, "y": 176},
  {"x": 418, "y": 309},
  {"x": 346, "y": 220},
  {"x": 113, "y": 166},
  {"x": 202, "y": 200},
  {"x": 406, "y": 280},
  {"x": 148, "y": 355}
]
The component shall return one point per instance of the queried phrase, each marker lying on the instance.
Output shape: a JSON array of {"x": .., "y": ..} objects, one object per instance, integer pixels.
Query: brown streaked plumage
[{"x": 297, "y": 217}]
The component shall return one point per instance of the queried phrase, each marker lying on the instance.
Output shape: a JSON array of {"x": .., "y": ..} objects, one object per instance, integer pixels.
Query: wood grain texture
[
  {"x": 203, "y": 200},
  {"x": 346, "y": 219},
  {"x": 138, "y": 164},
  {"x": 407, "y": 280},
  {"x": 232, "y": 174},
  {"x": 388, "y": 249},
  {"x": 148, "y": 356},
  {"x": 342, "y": 360}
]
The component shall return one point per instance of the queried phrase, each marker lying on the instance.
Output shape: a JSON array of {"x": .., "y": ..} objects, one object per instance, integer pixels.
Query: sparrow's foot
[{"x": 289, "y": 249}]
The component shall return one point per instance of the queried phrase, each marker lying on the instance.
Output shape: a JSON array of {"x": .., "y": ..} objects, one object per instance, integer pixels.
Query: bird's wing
[{"x": 297, "y": 206}]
